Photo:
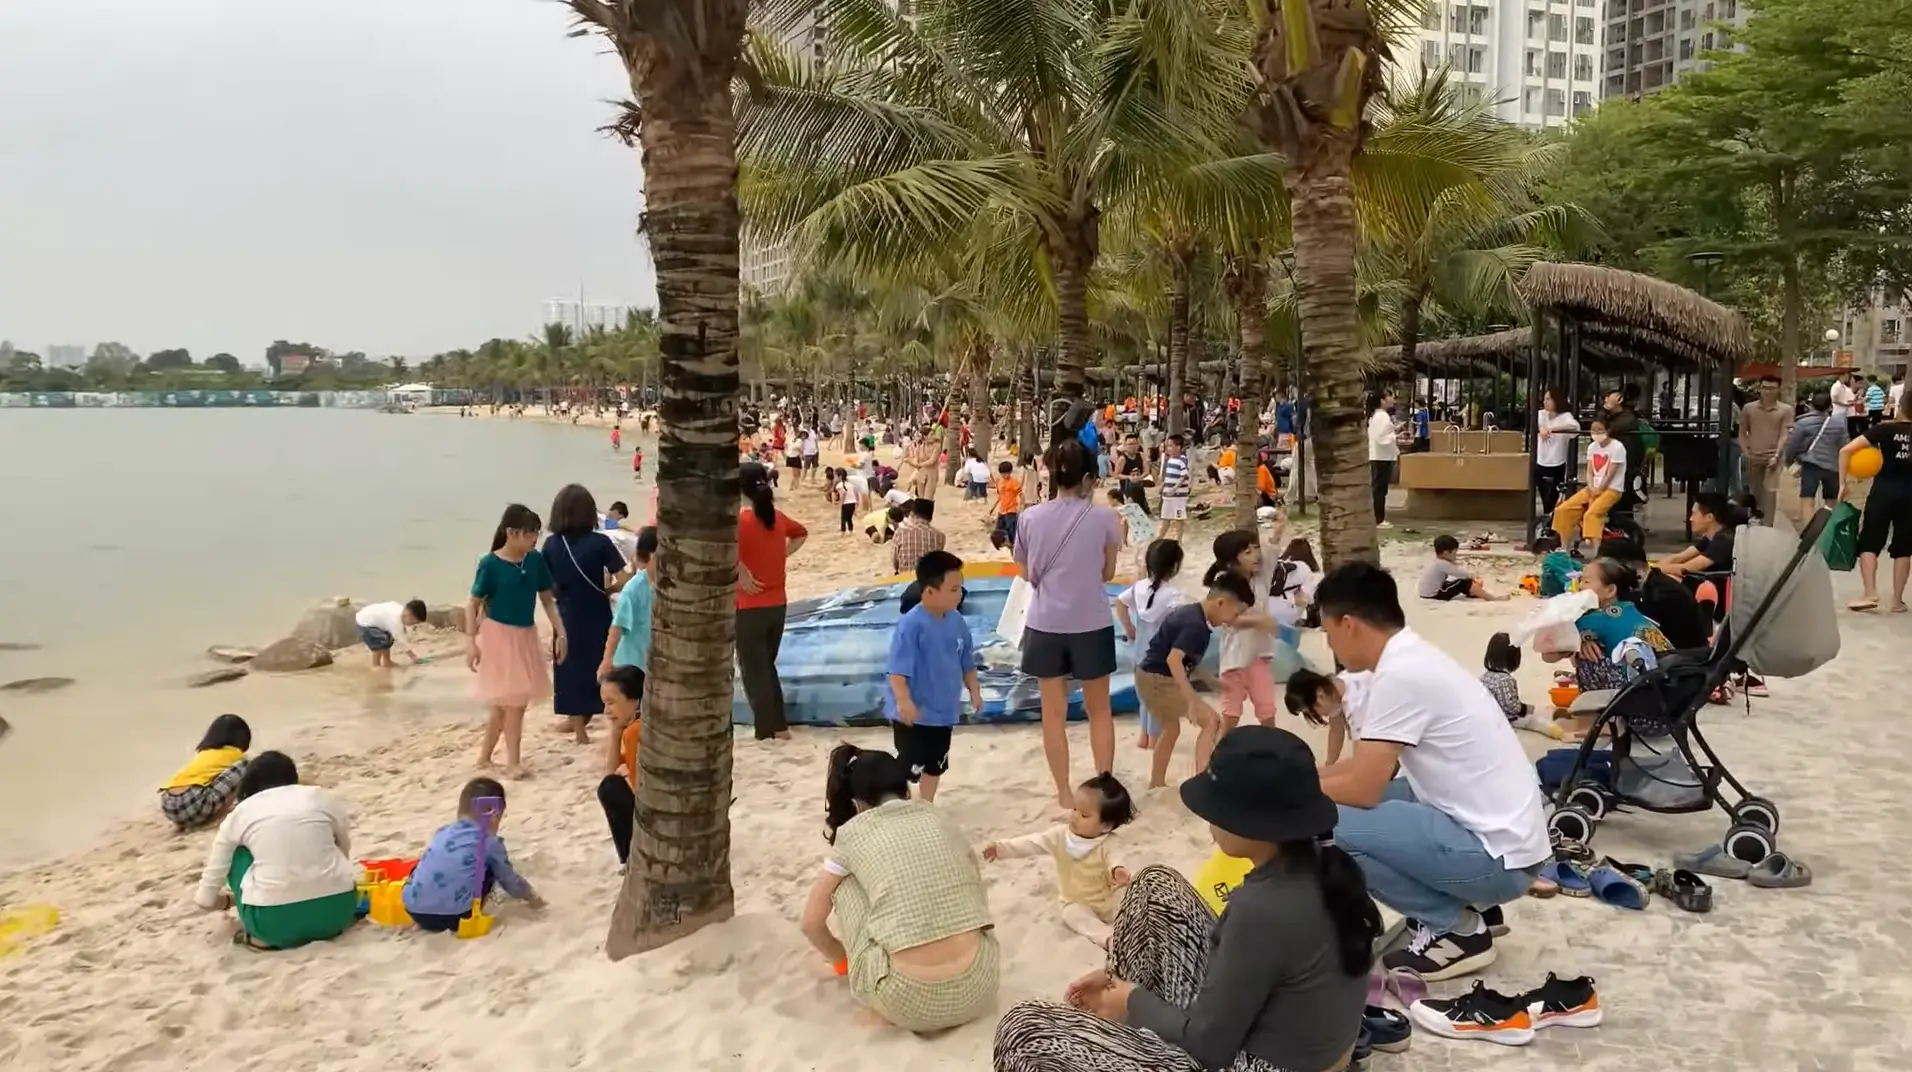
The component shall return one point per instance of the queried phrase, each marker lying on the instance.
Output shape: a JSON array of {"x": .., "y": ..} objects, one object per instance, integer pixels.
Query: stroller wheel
[
  {"x": 1572, "y": 823},
  {"x": 1749, "y": 843},
  {"x": 1757, "y": 811},
  {"x": 1590, "y": 798}
]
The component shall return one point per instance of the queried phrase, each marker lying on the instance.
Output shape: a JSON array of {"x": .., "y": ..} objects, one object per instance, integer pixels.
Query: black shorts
[
  {"x": 1888, "y": 507},
  {"x": 792, "y": 461},
  {"x": 1083, "y": 656},
  {"x": 809, "y": 461},
  {"x": 1453, "y": 588},
  {"x": 923, "y": 749}
]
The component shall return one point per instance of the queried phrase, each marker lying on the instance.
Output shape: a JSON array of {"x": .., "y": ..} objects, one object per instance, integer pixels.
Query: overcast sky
[{"x": 393, "y": 176}]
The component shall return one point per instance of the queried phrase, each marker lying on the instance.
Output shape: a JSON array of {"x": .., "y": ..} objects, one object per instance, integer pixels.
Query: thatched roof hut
[
  {"x": 1470, "y": 351},
  {"x": 1628, "y": 318}
]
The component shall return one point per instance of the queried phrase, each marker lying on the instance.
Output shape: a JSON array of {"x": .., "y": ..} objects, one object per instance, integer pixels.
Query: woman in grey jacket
[{"x": 1815, "y": 443}]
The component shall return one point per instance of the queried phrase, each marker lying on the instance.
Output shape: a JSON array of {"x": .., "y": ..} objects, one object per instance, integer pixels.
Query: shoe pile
[{"x": 1510, "y": 1020}]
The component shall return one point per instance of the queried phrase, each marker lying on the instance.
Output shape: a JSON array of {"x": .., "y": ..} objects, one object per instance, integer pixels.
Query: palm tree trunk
[
  {"x": 679, "y": 877},
  {"x": 1180, "y": 257},
  {"x": 1411, "y": 330},
  {"x": 1026, "y": 401},
  {"x": 1248, "y": 289},
  {"x": 982, "y": 426},
  {"x": 1073, "y": 258},
  {"x": 1324, "y": 234}
]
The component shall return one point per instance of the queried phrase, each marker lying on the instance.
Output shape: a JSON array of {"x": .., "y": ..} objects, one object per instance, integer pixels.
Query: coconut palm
[
  {"x": 681, "y": 57},
  {"x": 973, "y": 113}
]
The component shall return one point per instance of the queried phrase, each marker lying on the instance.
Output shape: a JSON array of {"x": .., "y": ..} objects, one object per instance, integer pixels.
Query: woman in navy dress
[{"x": 586, "y": 568}]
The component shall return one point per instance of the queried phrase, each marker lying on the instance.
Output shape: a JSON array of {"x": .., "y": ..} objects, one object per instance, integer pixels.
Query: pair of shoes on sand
[{"x": 1776, "y": 872}]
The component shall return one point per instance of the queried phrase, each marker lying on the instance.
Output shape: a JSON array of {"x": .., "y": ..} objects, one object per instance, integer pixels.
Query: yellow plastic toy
[
  {"x": 1218, "y": 877},
  {"x": 28, "y": 921},
  {"x": 385, "y": 902},
  {"x": 486, "y": 811},
  {"x": 1865, "y": 464}
]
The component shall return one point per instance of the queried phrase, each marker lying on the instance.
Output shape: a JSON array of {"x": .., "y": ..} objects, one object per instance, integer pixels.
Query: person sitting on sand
[
  {"x": 912, "y": 925},
  {"x": 1461, "y": 830},
  {"x": 383, "y": 626},
  {"x": 204, "y": 788},
  {"x": 446, "y": 881},
  {"x": 1087, "y": 878},
  {"x": 1444, "y": 578},
  {"x": 282, "y": 859},
  {"x": 1615, "y": 622},
  {"x": 623, "y": 695},
  {"x": 1278, "y": 982}
]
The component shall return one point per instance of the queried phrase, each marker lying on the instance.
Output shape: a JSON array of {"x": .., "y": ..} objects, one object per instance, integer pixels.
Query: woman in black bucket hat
[{"x": 1277, "y": 984}]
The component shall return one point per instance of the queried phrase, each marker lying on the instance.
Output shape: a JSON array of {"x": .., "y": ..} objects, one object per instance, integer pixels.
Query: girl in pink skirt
[{"x": 504, "y": 651}]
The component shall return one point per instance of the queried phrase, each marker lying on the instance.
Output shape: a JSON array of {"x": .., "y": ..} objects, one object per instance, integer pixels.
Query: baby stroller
[{"x": 1781, "y": 623}]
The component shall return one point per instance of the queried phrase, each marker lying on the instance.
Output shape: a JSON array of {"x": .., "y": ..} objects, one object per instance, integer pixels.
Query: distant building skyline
[
  {"x": 66, "y": 355},
  {"x": 1537, "y": 62},
  {"x": 580, "y": 315}
]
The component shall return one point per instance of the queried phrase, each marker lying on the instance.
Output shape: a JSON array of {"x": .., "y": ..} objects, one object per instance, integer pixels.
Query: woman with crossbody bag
[
  {"x": 1812, "y": 452},
  {"x": 1067, "y": 549},
  {"x": 586, "y": 568}
]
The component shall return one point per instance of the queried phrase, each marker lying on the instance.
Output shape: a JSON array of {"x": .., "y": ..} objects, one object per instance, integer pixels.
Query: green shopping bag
[{"x": 1839, "y": 544}]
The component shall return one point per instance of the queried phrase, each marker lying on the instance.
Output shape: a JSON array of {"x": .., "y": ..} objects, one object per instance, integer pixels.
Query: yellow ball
[
  {"x": 1218, "y": 877},
  {"x": 1865, "y": 464}
]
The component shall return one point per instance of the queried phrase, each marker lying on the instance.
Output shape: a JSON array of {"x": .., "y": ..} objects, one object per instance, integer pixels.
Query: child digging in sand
[
  {"x": 1161, "y": 678},
  {"x": 1334, "y": 702},
  {"x": 932, "y": 659},
  {"x": 1444, "y": 579},
  {"x": 1087, "y": 878},
  {"x": 384, "y": 627},
  {"x": 512, "y": 581},
  {"x": 205, "y": 787},
  {"x": 446, "y": 881}
]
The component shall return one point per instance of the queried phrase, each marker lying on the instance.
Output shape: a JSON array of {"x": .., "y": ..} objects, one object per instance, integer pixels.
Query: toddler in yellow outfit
[
  {"x": 206, "y": 786},
  {"x": 1089, "y": 882}
]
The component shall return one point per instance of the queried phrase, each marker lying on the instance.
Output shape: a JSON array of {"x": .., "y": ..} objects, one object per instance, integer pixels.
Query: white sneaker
[{"x": 1384, "y": 524}]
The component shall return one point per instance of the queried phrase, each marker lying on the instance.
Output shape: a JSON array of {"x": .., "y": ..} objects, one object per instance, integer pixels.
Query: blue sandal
[
  {"x": 1569, "y": 878},
  {"x": 1617, "y": 888}
]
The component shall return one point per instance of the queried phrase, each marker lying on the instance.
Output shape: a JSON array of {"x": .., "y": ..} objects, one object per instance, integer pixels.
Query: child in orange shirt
[
  {"x": 623, "y": 696},
  {"x": 1008, "y": 505}
]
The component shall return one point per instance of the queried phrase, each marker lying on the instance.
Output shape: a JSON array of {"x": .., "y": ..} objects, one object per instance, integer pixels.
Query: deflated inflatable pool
[{"x": 835, "y": 648}]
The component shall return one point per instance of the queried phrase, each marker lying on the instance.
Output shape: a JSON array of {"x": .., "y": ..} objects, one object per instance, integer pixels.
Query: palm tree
[
  {"x": 681, "y": 56},
  {"x": 970, "y": 114}
]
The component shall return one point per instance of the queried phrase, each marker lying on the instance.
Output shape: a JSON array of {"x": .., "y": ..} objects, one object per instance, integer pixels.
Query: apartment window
[
  {"x": 1431, "y": 17},
  {"x": 1583, "y": 30},
  {"x": 1533, "y": 63},
  {"x": 1556, "y": 102},
  {"x": 1686, "y": 19},
  {"x": 1583, "y": 68},
  {"x": 1656, "y": 50},
  {"x": 1654, "y": 79},
  {"x": 1536, "y": 22},
  {"x": 1477, "y": 19},
  {"x": 1706, "y": 42},
  {"x": 1686, "y": 48},
  {"x": 1430, "y": 54},
  {"x": 1616, "y": 58},
  {"x": 1556, "y": 64},
  {"x": 1457, "y": 19},
  {"x": 1639, "y": 29},
  {"x": 1582, "y": 101},
  {"x": 1889, "y": 332},
  {"x": 1531, "y": 102},
  {"x": 1709, "y": 12},
  {"x": 1476, "y": 59},
  {"x": 1732, "y": 9},
  {"x": 1617, "y": 33},
  {"x": 1656, "y": 22},
  {"x": 1457, "y": 56},
  {"x": 1583, "y": 3}
]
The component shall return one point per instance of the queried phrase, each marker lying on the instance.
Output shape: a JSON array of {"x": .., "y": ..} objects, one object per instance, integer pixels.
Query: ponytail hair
[
  {"x": 754, "y": 479},
  {"x": 1069, "y": 464},
  {"x": 860, "y": 776},
  {"x": 1163, "y": 560},
  {"x": 1357, "y": 922},
  {"x": 1230, "y": 546},
  {"x": 518, "y": 518},
  {"x": 1303, "y": 694}
]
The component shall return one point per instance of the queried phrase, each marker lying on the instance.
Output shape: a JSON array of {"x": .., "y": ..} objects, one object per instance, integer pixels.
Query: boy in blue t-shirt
[{"x": 932, "y": 657}]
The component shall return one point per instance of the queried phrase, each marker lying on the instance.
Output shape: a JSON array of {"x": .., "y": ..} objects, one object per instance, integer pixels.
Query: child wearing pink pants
[{"x": 1248, "y": 646}]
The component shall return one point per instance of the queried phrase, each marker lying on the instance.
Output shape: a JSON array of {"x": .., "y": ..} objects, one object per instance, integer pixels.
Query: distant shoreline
[{"x": 206, "y": 399}]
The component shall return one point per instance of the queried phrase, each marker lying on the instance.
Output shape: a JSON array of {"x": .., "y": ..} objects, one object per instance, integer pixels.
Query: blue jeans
[{"x": 1423, "y": 864}]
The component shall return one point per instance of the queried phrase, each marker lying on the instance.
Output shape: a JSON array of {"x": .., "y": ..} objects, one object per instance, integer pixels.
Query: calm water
[{"x": 138, "y": 537}]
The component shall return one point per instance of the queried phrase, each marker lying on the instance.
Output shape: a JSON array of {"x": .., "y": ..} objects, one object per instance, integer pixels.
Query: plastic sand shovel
[
  {"x": 27, "y": 921},
  {"x": 486, "y": 811}
]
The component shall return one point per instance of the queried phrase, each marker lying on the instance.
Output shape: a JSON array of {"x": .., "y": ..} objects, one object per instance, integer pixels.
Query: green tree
[{"x": 225, "y": 363}]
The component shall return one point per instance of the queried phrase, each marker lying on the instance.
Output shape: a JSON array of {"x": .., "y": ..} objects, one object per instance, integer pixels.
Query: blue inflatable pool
[{"x": 835, "y": 647}]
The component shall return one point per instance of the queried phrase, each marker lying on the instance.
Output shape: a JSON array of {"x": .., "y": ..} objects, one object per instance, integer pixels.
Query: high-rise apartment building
[
  {"x": 1537, "y": 61},
  {"x": 580, "y": 316},
  {"x": 1880, "y": 334},
  {"x": 1653, "y": 43},
  {"x": 66, "y": 355}
]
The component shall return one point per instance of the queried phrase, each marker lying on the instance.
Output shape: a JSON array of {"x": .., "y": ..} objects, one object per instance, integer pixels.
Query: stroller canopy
[{"x": 1799, "y": 631}]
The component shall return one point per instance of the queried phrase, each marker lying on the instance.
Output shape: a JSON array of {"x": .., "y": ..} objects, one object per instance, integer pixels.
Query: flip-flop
[
  {"x": 1780, "y": 872},
  {"x": 1896, "y": 608},
  {"x": 244, "y": 940},
  {"x": 1618, "y": 889},
  {"x": 1713, "y": 860},
  {"x": 1568, "y": 877},
  {"x": 1863, "y": 604},
  {"x": 1683, "y": 888}
]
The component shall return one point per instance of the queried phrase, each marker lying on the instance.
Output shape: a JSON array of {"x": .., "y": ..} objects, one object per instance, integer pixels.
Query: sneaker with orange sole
[
  {"x": 1483, "y": 1014},
  {"x": 1564, "y": 1003}
]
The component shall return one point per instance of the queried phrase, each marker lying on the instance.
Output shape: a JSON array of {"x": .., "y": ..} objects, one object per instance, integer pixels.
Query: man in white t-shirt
[
  {"x": 1461, "y": 830},
  {"x": 1384, "y": 449}
]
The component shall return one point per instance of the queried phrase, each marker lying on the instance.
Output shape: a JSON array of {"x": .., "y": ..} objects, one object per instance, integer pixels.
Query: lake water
[{"x": 138, "y": 537}]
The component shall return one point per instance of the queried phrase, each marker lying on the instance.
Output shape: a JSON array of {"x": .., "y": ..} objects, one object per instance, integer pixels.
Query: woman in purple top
[{"x": 1067, "y": 550}]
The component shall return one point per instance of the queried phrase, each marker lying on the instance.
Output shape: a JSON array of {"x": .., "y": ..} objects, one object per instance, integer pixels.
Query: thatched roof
[
  {"x": 1470, "y": 348},
  {"x": 1630, "y": 312}
]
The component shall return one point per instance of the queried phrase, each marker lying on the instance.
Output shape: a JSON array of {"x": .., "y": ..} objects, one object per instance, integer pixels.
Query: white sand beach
[{"x": 135, "y": 977}]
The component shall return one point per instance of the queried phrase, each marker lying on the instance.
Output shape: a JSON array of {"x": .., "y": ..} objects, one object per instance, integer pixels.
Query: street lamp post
[
  {"x": 1706, "y": 262},
  {"x": 1298, "y": 476}
]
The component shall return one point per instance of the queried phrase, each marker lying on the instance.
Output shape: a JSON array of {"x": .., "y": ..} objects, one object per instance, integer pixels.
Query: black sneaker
[
  {"x": 1563, "y": 1003},
  {"x": 1385, "y": 1030},
  {"x": 1496, "y": 921},
  {"x": 1480, "y": 1013},
  {"x": 1435, "y": 956}
]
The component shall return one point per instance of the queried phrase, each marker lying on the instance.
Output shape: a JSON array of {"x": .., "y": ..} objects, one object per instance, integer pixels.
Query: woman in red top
[{"x": 766, "y": 538}]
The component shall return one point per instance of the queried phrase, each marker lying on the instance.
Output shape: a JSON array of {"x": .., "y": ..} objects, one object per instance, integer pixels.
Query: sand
[{"x": 134, "y": 976}]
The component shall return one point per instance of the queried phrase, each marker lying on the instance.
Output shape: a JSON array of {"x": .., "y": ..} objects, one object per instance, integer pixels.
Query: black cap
[{"x": 1261, "y": 784}]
